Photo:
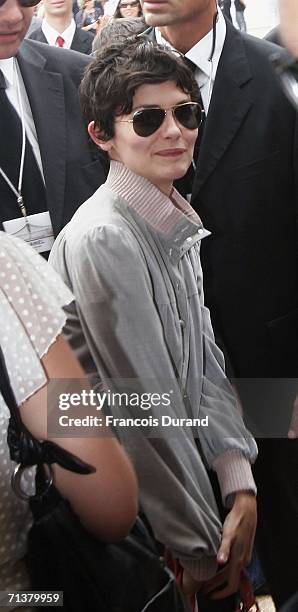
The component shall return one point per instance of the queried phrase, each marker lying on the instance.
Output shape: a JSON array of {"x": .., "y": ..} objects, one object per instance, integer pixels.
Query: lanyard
[{"x": 18, "y": 191}]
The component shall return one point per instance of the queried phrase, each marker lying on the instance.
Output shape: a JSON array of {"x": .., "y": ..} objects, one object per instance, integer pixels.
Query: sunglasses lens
[
  {"x": 147, "y": 121},
  {"x": 189, "y": 115}
]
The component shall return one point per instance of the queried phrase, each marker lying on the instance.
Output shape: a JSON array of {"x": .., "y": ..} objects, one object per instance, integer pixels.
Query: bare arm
[
  {"x": 289, "y": 25},
  {"x": 91, "y": 26},
  {"x": 105, "y": 501}
]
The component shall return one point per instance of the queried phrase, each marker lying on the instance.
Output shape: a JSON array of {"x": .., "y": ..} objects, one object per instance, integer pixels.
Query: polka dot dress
[{"x": 31, "y": 315}]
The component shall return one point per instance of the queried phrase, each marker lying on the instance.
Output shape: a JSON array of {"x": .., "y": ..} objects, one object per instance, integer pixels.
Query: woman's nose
[{"x": 170, "y": 125}]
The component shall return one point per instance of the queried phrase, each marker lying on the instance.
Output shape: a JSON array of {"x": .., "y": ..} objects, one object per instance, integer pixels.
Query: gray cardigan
[{"x": 131, "y": 257}]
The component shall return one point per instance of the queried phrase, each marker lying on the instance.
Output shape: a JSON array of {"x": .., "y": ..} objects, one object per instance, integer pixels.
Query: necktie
[
  {"x": 185, "y": 184},
  {"x": 60, "y": 41},
  {"x": 193, "y": 68},
  {"x": 33, "y": 189}
]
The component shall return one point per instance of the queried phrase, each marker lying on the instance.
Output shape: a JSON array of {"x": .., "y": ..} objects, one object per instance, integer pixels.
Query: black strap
[{"x": 8, "y": 394}]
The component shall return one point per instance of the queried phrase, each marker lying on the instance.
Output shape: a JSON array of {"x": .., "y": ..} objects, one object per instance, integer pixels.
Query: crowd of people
[
  {"x": 73, "y": 24},
  {"x": 159, "y": 177}
]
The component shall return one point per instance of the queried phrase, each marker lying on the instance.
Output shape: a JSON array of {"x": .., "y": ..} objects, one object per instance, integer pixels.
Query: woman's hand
[
  {"x": 236, "y": 546},
  {"x": 91, "y": 26}
]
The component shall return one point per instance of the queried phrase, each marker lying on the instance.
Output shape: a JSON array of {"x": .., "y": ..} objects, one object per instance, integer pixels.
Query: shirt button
[
  {"x": 201, "y": 231},
  {"x": 189, "y": 239},
  {"x": 177, "y": 286},
  {"x": 182, "y": 323}
]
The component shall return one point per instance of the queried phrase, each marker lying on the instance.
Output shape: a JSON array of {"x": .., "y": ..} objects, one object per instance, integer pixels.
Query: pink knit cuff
[
  {"x": 201, "y": 569},
  {"x": 234, "y": 474}
]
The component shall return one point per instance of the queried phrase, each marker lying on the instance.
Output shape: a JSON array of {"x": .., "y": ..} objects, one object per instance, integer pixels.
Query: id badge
[{"x": 36, "y": 230}]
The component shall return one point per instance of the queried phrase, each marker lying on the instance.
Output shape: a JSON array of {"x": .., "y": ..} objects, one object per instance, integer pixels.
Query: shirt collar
[
  {"x": 7, "y": 67},
  {"x": 172, "y": 217},
  {"x": 51, "y": 34},
  {"x": 199, "y": 54}
]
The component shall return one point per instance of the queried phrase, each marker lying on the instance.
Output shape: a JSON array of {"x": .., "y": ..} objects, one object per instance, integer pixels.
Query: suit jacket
[
  {"x": 274, "y": 36},
  {"x": 72, "y": 170},
  {"x": 82, "y": 41},
  {"x": 245, "y": 191}
]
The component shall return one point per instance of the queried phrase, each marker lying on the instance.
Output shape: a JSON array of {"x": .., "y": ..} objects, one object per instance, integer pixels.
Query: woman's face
[
  {"x": 165, "y": 155},
  {"x": 129, "y": 8}
]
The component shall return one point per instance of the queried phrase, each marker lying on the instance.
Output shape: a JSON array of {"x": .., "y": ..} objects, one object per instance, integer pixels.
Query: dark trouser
[
  {"x": 292, "y": 605},
  {"x": 276, "y": 475},
  {"x": 229, "y": 604}
]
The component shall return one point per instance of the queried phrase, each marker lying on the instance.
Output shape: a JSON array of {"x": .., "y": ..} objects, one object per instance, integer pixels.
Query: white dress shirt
[
  {"x": 200, "y": 54},
  {"x": 12, "y": 74},
  {"x": 51, "y": 34}
]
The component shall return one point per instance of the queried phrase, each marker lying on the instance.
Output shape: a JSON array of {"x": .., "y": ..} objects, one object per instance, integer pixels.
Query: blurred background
[{"x": 261, "y": 16}]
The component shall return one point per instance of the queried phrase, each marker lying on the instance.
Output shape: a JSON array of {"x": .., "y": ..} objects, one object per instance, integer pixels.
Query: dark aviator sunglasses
[
  {"x": 23, "y": 3},
  {"x": 146, "y": 121}
]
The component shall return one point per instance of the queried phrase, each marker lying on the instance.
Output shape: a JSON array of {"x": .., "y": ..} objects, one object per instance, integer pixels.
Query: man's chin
[
  {"x": 155, "y": 20},
  {"x": 9, "y": 48}
]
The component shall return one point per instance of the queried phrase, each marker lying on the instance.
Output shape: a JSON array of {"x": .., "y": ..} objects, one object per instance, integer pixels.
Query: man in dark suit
[
  {"x": 245, "y": 190},
  {"x": 38, "y": 90},
  {"x": 58, "y": 28}
]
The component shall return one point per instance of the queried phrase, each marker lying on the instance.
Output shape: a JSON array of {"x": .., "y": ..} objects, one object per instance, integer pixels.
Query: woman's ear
[{"x": 97, "y": 137}]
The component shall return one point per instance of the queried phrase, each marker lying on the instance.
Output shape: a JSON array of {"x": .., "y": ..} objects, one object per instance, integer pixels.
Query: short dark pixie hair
[{"x": 112, "y": 78}]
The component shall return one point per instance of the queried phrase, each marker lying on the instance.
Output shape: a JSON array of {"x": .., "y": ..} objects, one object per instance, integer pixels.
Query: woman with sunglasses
[
  {"x": 128, "y": 8},
  {"x": 89, "y": 15},
  {"x": 131, "y": 257}
]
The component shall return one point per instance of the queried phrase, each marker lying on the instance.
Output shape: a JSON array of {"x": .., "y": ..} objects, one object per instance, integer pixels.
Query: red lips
[{"x": 171, "y": 152}]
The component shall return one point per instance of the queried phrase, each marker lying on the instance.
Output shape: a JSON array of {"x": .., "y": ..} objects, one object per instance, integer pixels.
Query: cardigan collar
[{"x": 170, "y": 216}]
